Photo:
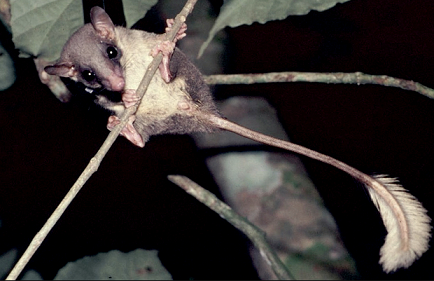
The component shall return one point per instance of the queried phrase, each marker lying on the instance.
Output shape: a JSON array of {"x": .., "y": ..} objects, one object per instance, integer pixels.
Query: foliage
[
  {"x": 135, "y": 265},
  {"x": 40, "y": 28}
]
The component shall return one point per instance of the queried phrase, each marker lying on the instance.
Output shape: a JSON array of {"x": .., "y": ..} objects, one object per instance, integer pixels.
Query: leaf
[
  {"x": 7, "y": 69},
  {"x": 238, "y": 12},
  {"x": 136, "y": 265},
  {"x": 40, "y": 28},
  {"x": 7, "y": 261},
  {"x": 136, "y": 9}
]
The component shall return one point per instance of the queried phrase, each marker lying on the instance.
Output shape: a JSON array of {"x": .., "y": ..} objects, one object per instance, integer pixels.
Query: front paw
[
  {"x": 130, "y": 98},
  {"x": 181, "y": 32}
]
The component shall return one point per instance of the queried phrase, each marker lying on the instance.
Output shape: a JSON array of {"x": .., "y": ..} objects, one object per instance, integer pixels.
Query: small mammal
[{"x": 101, "y": 55}]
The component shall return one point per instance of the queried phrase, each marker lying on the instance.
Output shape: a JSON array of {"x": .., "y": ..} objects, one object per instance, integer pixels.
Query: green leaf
[
  {"x": 7, "y": 69},
  {"x": 238, "y": 12},
  {"x": 40, "y": 28},
  {"x": 136, "y": 9}
]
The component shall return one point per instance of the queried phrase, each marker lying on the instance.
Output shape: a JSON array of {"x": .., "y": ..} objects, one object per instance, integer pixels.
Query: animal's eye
[
  {"x": 88, "y": 75},
  {"x": 112, "y": 52}
]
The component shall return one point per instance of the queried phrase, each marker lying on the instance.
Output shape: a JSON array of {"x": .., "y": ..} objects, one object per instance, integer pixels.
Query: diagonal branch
[
  {"x": 94, "y": 163},
  {"x": 256, "y": 235}
]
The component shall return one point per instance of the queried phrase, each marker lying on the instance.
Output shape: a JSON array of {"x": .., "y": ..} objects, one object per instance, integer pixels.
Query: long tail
[{"x": 406, "y": 221}]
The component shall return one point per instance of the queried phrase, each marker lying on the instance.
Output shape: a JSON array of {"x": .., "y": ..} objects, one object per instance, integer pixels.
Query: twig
[
  {"x": 94, "y": 163},
  {"x": 329, "y": 78},
  {"x": 256, "y": 235}
]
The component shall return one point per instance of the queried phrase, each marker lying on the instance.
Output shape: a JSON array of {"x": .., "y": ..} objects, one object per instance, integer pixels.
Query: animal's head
[{"x": 91, "y": 56}]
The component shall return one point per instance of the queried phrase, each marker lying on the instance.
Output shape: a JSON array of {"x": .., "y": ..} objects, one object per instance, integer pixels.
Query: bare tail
[{"x": 406, "y": 221}]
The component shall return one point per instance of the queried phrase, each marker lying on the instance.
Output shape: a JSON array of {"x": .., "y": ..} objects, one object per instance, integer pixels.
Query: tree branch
[
  {"x": 329, "y": 78},
  {"x": 94, "y": 163},
  {"x": 256, "y": 235}
]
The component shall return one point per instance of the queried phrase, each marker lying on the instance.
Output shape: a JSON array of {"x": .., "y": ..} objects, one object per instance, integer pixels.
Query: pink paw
[
  {"x": 130, "y": 98},
  {"x": 166, "y": 48},
  {"x": 129, "y": 132},
  {"x": 181, "y": 33},
  {"x": 112, "y": 122}
]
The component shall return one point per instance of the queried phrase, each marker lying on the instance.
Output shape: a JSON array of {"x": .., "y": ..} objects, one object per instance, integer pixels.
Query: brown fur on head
[{"x": 91, "y": 55}]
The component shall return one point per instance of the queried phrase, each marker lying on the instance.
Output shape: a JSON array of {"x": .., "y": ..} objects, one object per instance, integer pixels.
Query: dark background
[{"x": 129, "y": 203}]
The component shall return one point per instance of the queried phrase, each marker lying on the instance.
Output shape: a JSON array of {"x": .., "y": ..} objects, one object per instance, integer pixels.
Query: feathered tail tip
[{"x": 406, "y": 221}]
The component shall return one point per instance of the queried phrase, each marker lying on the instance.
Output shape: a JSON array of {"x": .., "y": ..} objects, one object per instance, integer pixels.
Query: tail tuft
[{"x": 406, "y": 221}]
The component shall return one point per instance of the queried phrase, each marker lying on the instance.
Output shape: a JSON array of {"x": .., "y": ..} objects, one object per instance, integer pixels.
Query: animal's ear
[
  {"x": 61, "y": 69},
  {"x": 102, "y": 23}
]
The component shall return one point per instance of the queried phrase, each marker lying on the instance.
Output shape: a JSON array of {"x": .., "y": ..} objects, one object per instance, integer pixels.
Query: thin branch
[
  {"x": 256, "y": 235},
  {"x": 329, "y": 78},
  {"x": 94, "y": 163}
]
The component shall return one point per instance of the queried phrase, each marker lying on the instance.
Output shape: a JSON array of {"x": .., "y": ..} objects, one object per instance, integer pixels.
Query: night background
[{"x": 129, "y": 203}]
